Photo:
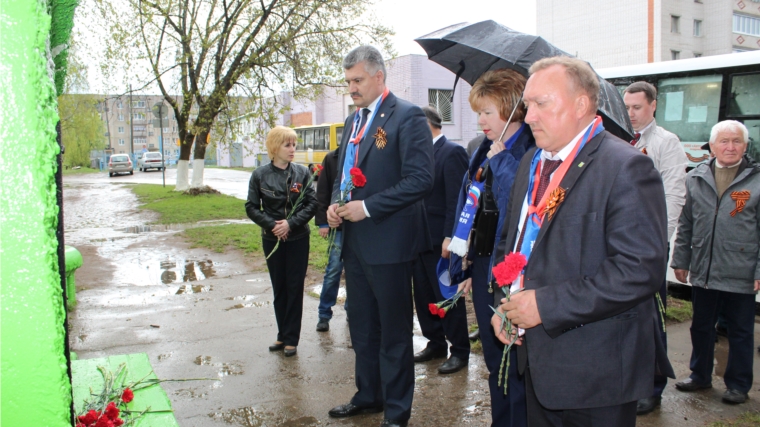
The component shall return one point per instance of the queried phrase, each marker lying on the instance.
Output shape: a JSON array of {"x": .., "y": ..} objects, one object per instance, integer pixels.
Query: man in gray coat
[
  {"x": 669, "y": 157},
  {"x": 717, "y": 248}
]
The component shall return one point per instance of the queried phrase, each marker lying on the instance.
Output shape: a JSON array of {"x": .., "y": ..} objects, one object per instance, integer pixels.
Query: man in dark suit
[
  {"x": 384, "y": 231},
  {"x": 596, "y": 254},
  {"x": 440, "y": 205}
]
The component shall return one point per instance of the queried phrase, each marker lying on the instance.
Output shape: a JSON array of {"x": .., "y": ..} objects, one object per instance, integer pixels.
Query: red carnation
[
  {"x": 111, "y": 411},
  {"x": 127, "y": 396},
  {"x": 90, "y": 417},
  {"x": 441, "y": 313},
  {"x": 104, "y": 422},
  {"x": 358, "y": 178},
  {"x": 118, "y": 422},
  {"x": 433, "y": 309},
  {"x": 507, "y": 271},
  {"x": 80, "y": 425},
  {"x": 318, "y": 169}
]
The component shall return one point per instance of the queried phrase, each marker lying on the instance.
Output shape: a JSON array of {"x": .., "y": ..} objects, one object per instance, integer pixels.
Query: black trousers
[
  {"x": 381, "y": 333},
  {"x": 287, "y": 270},
  {"x": 454, "y": 325},
  {"x": 607, "y": 416}
]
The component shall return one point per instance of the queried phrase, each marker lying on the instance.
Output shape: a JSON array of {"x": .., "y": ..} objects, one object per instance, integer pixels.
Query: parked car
[
  {"x": 119, "y": 163},
  {"x": 150, "y": 160}
]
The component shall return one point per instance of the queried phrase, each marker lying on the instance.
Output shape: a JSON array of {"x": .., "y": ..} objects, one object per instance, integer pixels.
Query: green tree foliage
[
  {"x": 210, "y": 51},
  {"x": 81, "y": 128}
]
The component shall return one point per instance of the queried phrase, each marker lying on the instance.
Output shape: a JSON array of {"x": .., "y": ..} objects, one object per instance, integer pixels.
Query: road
[{"x": 227, "y": 181}]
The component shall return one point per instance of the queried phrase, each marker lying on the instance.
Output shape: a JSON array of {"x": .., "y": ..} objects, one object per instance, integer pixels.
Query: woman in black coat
[{"x": 273, "y": 204}]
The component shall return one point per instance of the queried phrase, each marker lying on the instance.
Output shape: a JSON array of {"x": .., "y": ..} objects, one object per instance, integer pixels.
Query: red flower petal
[
  {"x": 111, "y": 411},
  {"x": 507, "y": 271},
  {"x": 127, "y": 396},
  {"x": 441, "y": 313},
  {"x": 433, "y": 309},
  {"x": 357, "y": 177},
  {"x": 118, "y": 422}
]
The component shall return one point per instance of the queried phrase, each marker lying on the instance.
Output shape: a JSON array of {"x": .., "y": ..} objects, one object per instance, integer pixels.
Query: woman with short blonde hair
[{"x": 273, "y": 194}]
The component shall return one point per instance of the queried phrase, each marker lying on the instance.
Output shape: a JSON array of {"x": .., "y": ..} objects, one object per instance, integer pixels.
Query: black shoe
[
  {"x": 291, "y": 351},
  {"x": 475, "y": 335},
  {"x": 394, "y": 423},
  {"x": 323, "y": 325},
  {"x": 690, "y": 385},
  {"x": 277, "y": 347},
  {"x": 454, "y": 364},
  {"x": 429, "y": 354},
  {"x": 349, "y": 410},
  {"x": 734, "y": 396},
  {"x": 647, "y": 405}
]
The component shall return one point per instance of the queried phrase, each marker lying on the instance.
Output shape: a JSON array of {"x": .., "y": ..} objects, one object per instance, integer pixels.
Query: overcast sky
[{"x": 414, "y": 18}]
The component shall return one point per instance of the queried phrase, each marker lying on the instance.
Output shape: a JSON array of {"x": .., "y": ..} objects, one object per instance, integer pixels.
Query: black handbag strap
[{"x": 489, "y": 201}]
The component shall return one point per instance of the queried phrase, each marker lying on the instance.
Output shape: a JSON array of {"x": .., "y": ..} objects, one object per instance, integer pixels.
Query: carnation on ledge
[{"x": 508, "y": 270}]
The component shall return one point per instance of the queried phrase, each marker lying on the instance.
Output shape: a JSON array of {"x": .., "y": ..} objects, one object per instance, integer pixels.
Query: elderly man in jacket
[{"x": 717, "y": 248}]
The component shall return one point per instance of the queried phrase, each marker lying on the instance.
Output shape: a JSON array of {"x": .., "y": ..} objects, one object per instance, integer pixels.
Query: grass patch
[
  {"x": 678, "y": 311},
  {"x": 175, "y": 207},
  {"x": 476, "y": 347},
  {"x": 247, "y": 238},
  {"x": 80, "y": 171},
  {"x": 747, "y": 419}
]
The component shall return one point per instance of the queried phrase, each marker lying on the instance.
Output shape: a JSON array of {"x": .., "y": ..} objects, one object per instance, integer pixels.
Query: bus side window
[
  {"x": 338, "y": 136},
  {"x": 689, "y": 107},
  {"x": 309, "y": 139}
]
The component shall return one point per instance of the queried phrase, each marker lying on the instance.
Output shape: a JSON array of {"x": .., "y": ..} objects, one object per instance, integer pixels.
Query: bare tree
[{"x": 199, "y": 53}]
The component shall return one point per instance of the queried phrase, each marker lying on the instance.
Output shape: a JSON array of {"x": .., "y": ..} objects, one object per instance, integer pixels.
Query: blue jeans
[{"x": 331, "y": 281}]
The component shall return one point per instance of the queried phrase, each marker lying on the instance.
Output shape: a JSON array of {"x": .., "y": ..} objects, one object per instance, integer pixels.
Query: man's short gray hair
[
  {"x": 372, "y": 58},
  {"x": 729, "y": 126}
]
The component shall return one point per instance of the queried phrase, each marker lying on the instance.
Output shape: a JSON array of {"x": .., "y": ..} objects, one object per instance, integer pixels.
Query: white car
[{"x": 150, "y": 160}]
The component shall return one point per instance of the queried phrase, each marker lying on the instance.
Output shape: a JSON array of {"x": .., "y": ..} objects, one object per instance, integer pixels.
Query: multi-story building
[
  {"x": 132, "y": 128},
  {"x": 616, "y": 33},
  {"x": 411, "y": 77}
]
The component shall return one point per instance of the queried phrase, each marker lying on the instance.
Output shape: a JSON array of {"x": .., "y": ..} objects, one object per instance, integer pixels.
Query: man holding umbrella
[{"x": 593, "y": 230}]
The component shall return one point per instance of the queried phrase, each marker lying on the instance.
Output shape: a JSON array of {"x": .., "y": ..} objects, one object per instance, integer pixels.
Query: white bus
[{"x": 694, "y": 94}]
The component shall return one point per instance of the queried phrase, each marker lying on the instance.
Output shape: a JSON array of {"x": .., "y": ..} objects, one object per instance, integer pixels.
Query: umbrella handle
[
  {"x": 456, "y": 80},
  {"x": 514, "y": 101}
]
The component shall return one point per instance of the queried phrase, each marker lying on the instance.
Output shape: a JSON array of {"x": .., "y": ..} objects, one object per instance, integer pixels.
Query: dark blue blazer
[
  {"x": 595, "y": 267},
  {"x": 399, "y": 176},
  {"x": 441, "y": 203}
]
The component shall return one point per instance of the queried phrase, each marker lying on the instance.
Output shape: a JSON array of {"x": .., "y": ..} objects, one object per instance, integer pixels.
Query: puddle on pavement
[
  {"x": 242, "y": 298},
  {"x": 193, "y": 289},
  {"x": 233, "y": 368},
  {"x": 255, "y": 304},
  {"x": 157, "y": 228},
  {"x": 249, "y": 417}
]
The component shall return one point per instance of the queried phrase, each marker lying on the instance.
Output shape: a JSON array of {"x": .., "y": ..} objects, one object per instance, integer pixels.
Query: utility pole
[
  {"x": 108, "y": 124},
  {"x": 131, "y": 128},
  {"x": 159, "y": 111}
]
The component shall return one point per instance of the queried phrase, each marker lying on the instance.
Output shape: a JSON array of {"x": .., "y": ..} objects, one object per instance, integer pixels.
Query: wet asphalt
[{"x": 207, "y": 315}]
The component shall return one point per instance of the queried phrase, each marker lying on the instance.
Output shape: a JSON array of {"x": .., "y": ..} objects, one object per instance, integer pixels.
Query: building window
[
  {"x": 697, "y": 55},
  {"x": 675, "y": 22},
  {"x": 121, "y": 117},
  {"x": 166, "y": 130},
  {"x": 140, "y": 140},
  {"x": 138, "y": 129},
  {"x": 118, "y": 105},
  {"x": 746, "y": 25},
  {"x": 440, "y": 99},
  {"x": 121, "y": 129},
  {"x": 151, "y": 145},
  {"x": 138, "y": 104},
  {"x": 139, "y": 116},
  {"x": 697, "y": 28},
  {"x": 121, "y": 142},
  {"x": 675, "y": 54}
]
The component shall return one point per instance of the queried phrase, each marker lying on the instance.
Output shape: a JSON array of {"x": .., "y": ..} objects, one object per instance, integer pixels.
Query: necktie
[
  {"x": 549, "y": 166},
  {"x": 365, "y": 113},
  {"x": 636, "y": 138}
]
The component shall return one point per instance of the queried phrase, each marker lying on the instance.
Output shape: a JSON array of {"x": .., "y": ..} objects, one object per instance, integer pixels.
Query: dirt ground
[{"x": 199, "y": 314}]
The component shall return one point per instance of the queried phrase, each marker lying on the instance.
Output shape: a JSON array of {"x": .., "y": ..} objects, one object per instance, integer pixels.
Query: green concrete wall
[{"x": 35, "y": 386}]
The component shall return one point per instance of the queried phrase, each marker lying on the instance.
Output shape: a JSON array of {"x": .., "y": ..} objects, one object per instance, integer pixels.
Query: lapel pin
[
  {"x": 380, "y": 138},
  {"x": 580, "y": 165}
]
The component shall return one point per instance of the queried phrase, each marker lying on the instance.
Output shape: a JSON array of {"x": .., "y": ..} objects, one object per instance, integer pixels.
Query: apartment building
[{"x": 617, "y": 33}]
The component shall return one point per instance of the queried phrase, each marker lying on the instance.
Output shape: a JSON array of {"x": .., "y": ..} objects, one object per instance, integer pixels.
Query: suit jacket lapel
[
  {"x": 438, "y": 144},
  {"x": 579, "y": 165},
  {"x": 382, "y": 116},
  {"x": 517, "y": 199}
]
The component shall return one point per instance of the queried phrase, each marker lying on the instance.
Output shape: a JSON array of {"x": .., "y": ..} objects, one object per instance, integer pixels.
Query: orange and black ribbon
[{"x": 740, "y": 197}]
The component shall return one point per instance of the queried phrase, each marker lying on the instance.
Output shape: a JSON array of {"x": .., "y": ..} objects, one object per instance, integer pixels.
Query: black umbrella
[{"x": 469, "y": 50}]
